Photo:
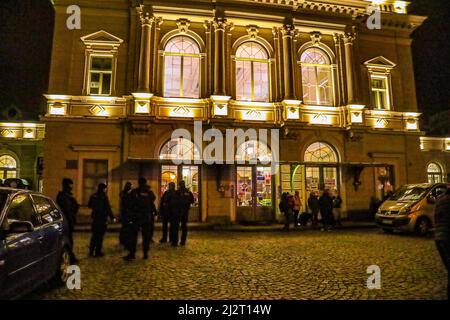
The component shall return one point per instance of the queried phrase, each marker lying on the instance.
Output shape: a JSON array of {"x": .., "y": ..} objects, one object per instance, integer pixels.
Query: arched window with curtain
[
  {"x": 317, "y": 80},
  {"x": 8, "y": 167},
  {"x": 182, "y": 68},
  {"x": 434, "y": 173},
  {"x": 252, "y": 72}
]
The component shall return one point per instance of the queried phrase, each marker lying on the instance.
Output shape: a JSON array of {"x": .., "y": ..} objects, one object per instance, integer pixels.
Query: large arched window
[
  {"x": 253, "y": 150},
  {"x": 179, "y": 149},
  {"x": 320, "y": 152},
  {"x": 434, "y": 173},
  {"x": 182, "y": 68},
  {"x": 8, "y": 167},
  {"x": 316, "y": 77},
  {"x": 318, "y": 176},
  {"x": 252, "y": 72}
]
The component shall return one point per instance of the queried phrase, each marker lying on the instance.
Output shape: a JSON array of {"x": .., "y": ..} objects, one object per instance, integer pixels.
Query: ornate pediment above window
[
  {"x": 101, "y": 40},
  {"x": 380, "y": 64}
]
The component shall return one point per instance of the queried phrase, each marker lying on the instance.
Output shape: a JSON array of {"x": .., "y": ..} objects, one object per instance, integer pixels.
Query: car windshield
[{"x": 409, "y": 193}]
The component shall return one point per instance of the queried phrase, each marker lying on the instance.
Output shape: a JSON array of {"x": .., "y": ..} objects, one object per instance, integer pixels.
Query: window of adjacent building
[
  {"x": 180, "y": 149},
  {"x": 182, "y": 68},
  {"x": 252, "y": 72},
  {"x": 379, "y": 91},
  {"x": 316, "y": 77},
  {"x": 8, "y": 167},
  {"x": 100, "y": 75},
  {"x": 434, "y": 173},
  {"x": 94, "y": 172}
]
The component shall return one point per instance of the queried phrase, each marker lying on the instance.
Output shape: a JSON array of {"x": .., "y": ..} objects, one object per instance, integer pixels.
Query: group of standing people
[
  {"x": 327, "y": 204},
  {"x": 137, "y": 215}
]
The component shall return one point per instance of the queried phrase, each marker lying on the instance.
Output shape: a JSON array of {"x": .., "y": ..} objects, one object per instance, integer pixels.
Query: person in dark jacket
[
  {"x": 101, "y": 211},
  {"x": 442, "y": 232},
  {"x": 326, "y": 209},
  {"x": 175, "y": 206},
  {"x": 313, "y": 205},
  {"x": 337, "y": 204},
  {"x": 125, "y": 196},
  {"x": 287, "y": 208},
  {"x": 164, "y": 211},
  {"x": 69, "y": 206},
  {"x": 187, "y": 199},
  {"x": 142, "y": 209}
]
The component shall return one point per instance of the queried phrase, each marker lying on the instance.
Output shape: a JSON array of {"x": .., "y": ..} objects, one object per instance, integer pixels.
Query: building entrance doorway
[{"x": 255, "y": 194}]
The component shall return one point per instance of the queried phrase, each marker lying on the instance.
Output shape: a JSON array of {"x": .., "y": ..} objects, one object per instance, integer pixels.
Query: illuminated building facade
[
  {"x": 21, "y": 151},
  {"x": 342, "y": 96}
]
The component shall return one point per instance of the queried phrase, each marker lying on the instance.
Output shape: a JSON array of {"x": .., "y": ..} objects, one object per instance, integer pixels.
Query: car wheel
[
  {"x": 388, "y": 230},
  {"x": 61, "y": 274},
  {"x": 422, "y": 227}
]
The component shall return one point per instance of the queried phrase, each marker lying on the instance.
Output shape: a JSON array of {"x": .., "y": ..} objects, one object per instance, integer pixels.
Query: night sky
[{"x": 26, "y": 28}]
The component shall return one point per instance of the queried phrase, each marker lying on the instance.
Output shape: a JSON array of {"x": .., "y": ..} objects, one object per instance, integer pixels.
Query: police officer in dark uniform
[
  {"x": 186, "y": 199},
  {"x": 164, "y": 210},
  {"x": 69, "y": 206},
  {"x": 101, "y": 210},
  {"x": 142, "y": 208},
  {"x": 125, "y": 195}
]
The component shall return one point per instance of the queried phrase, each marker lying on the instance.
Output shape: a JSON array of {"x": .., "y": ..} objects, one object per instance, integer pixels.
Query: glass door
[
  {"x": 190, "y": 175},
  {"x": 254, "y": 194}
]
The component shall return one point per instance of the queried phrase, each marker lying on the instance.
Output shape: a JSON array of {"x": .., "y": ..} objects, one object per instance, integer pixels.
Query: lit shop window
[
  {"x": 100, "y": 75},
  {"x": 316, "y": 77},
  {"x": 379, "y": 91},
  {"x": 179, "y": 149},
  {"x": 8, "y": 167},
  {"x": 182, "y": 68},
  {"x": 263, "y": 186},
  {"x": 252, "y": 72},
  {"x": 434, "y": 173}
]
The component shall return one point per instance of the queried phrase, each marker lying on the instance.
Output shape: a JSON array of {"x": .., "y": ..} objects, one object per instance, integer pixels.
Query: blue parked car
[{"x": 33, "y": 242}]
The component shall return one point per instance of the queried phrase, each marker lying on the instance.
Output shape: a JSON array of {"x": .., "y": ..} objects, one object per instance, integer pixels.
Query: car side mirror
[
  {"x": 20, "y": 227},
  {"x": 431, "y": 199}
]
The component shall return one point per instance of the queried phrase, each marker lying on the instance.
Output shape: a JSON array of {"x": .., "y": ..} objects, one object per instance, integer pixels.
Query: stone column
[
  {"x": 220, "y": 25},
  {"x": 145, "y": 52},
  {"x": 154, "y": 56},
  {"x": 338, "y": 70},
  {"x": 350, "y": 68},
  {"x": 288, "y": 32}
]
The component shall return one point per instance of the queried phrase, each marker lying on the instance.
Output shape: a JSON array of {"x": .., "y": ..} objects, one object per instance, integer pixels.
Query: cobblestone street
[{"x": 263, "y": 265}]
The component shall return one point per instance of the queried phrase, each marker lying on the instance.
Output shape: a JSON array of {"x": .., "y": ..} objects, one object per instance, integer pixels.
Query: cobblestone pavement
[{"x": 273, "y": 265}]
